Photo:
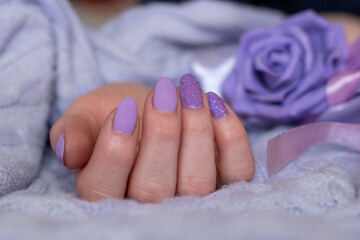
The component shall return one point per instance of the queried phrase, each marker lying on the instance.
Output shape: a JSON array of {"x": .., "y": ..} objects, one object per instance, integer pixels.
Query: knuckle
[
  {"x": 152, "y": 192},
  {"x": 196, "y": 185},
  {"x": 92, "y": 192},
  {"x": 143, "y": 195}
]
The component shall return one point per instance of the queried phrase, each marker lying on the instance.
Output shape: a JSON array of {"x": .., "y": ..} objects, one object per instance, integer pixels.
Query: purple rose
[{"x": 281, "y": 73}]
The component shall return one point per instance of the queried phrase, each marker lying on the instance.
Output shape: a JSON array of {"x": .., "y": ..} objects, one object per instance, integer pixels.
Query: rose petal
[
  {"x": 309, "y": 81},
  {"x": 252, "y": 82},
  {"x": 308, "y": 105},
  {"x": 234, "y": 94},
  {"x": 274, "y": 51},
  {"x": 249, "y": 45},
  {"x": 304, "y": 43},
  {"x": 266, "y": 79},
  {"x": 307, "y": 20},
  {"x": 275, "y": 97},
  {"x": 280, "y": 113},
  {"x": 280, "y": 82},
  {"x": 292, "y": 72},
  {"x": 336, "y": 50}
]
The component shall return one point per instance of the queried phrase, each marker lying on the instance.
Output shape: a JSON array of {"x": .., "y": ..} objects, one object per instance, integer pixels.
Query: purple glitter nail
[
  {"x": 217, "y": 106},
  {"x": 190, "y": 92}
]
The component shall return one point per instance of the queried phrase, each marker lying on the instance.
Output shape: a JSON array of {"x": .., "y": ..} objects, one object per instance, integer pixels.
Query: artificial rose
[{"x": 281, "y": 73}]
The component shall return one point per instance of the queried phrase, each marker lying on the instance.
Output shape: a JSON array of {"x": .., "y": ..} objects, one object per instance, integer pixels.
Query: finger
[
  {"x": 196, "y": 169},
  {"x": 73, "y": 136},
  {"x": 106, "y": 174},
  {"x": 154, "y": 175},
  {"x": 235, "y": 160}
]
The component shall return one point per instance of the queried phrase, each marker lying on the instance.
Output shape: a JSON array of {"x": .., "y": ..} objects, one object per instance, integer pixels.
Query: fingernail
[
  {"x": 60, "y": 147},
  {"x": 190, "y": 92},
  {"x": 165, "y": 97},
  {"x": 126, "y": 116},
  {"x": 217, "y": 107}
]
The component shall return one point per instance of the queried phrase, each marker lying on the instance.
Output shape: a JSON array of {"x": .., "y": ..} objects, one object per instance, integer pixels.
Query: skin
[{"x": 183, "y": 153}]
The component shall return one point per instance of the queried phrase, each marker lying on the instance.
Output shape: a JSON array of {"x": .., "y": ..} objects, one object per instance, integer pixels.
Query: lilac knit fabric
[{"x": 47, "y": 59}]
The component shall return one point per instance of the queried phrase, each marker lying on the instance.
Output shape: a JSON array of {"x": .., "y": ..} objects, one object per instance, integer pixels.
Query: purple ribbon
[
  {"x": 285, "y": 147},
  {"x": 342, "y": 87}
]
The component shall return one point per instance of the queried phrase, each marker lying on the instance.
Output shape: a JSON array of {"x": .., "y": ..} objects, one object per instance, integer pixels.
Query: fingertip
[
  {"x": 126, "y": 116},
  {"x": 72, "y": 139},
  {"x": 60, "y": 147},
  {"x": 235, "y": 158},
  {"x": 165, "y": 96},
  {"x": 217, "y": 107},
  {"x": 106, "y": 173}
]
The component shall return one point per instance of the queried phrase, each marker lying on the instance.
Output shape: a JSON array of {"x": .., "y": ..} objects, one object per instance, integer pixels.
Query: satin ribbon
[
  {"x": 344, "y": 85},
  {"x": 285, "y": 147},
  {"x": 343, "y": 106}
]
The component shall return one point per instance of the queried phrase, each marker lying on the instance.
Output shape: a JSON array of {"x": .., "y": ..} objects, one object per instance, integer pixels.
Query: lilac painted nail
[
  {"x": 60, "y": 147},
  {"x": 217, "y": 106},
  {"x": 165, "y": 97},
  {"x": 126, "y": 116},
  {"x": 190, "y": 92}
]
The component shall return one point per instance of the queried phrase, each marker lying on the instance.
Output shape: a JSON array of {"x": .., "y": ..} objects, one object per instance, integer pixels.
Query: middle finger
[{"x": 196, "y": 169}]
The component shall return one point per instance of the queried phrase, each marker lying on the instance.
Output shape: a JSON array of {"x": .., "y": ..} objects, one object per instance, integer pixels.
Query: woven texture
[{"x": 48, "y": 59}]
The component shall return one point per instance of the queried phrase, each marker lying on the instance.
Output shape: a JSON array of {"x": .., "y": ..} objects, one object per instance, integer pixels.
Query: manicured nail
[
  {"x": 126, "y": 116},
  {"x": 165, "y": 96},
  {"x": 217, "y": 107},
  {"x": 60, "y": 147},
  {"x": 190, "y": 92}
]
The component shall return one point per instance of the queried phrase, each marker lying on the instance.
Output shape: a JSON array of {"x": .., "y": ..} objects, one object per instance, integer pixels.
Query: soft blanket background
[{"x": 47, "y": 59}]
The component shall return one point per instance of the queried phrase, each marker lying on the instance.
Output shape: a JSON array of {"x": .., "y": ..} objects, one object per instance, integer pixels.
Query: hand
[{"x": 174, "y": 144}]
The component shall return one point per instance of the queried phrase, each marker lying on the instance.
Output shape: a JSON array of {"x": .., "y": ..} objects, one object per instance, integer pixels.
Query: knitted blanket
[{"x": 48, "y": 59}]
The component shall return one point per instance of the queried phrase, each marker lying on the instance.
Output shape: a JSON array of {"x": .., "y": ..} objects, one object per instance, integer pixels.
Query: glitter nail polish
[
  {"x": 190, "y": 92},
  {"x": 217, "y": 107},
  {"x": 60, "y": 148}
]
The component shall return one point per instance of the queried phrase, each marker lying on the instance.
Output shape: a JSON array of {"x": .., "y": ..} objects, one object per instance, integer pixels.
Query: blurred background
[{"x": 96, "y": 12}]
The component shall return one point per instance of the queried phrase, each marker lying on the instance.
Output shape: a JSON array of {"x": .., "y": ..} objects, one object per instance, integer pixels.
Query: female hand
[{"x": 156, "y": 144}]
